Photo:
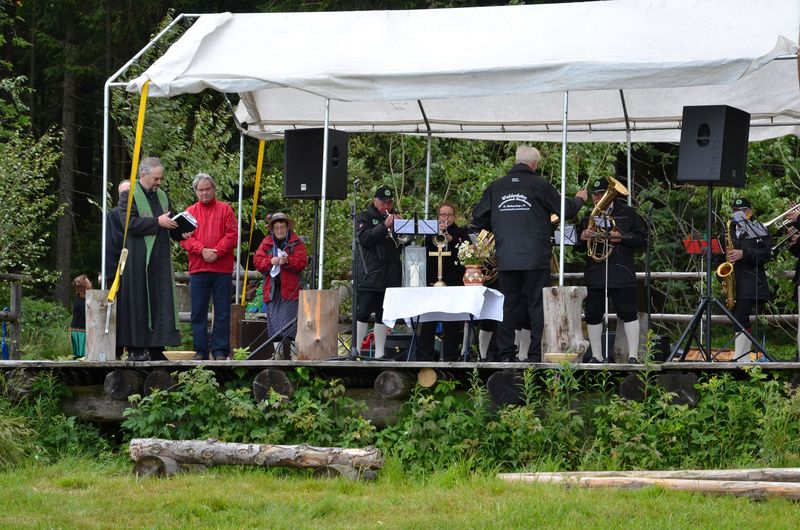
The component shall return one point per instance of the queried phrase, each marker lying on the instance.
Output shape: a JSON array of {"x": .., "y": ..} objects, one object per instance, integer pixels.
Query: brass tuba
[
  {"x": 490, "y": 267},
  {"x": 615, "y": 189},
  {"x": 725, "y": 271}
]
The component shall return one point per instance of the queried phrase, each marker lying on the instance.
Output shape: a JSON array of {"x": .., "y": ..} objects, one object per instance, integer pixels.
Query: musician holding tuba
[
  {"x": 610, "y": 235},
  {"x": 748, "y": 247},
  {"x": 517, "y": 209},
  {"x": 449, "y": 236},
  {"x": 378, "y": 264}
]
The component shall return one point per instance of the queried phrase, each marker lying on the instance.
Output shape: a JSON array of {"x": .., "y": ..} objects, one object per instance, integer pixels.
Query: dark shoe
[
  {"x": 200, "y": 357},
  {"x": 157, "y": 355},
  {"x": 532, "y": 359},
  {"x": 137, "y": 356},
  {"x": 220, "y": 357},
  {"x": 594, "y": 360},
  {"x": 633, "y": 360}
]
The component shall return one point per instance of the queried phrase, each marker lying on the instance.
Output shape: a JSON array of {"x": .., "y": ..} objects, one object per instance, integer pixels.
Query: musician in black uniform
[
  {"x": 378, "y": 264},
  {"x": 751, "y": 251},
  {"x": 452, "y": 275},
  {"x": 615, "y": 274},
  {"x": 517, "y": 209}
]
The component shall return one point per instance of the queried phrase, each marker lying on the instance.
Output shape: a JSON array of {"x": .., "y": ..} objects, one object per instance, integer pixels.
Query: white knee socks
[
  {"x": 381, "y": 330},
  {"x": 632, "y": 334},
  {"x": 741, "y": 347},
  {"x": 595, "y": 332},
  {"x": 524, "y": 343},
  {"x": 484, "y": 338},
  {"x": 361, "y": 332}
]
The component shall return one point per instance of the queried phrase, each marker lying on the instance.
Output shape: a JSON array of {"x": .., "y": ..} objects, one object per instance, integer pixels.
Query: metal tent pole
[
  {"x": 239, "y": 215},
  {"x": 561, "y": 220},
  {"x": 324, "y": 191}
]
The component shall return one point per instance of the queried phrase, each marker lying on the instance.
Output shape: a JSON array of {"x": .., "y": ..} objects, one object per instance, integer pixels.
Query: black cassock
[{"x": 135, "y": 328}]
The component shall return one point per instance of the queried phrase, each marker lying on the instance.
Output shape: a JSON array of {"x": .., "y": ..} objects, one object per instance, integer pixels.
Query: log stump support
[
  {"x": 392, "y": 384},
  {"x": 271, "y": 379},
  {"x": 158, "y": 379},
  {"x": 100, "y": 346},
  {"x": 563, "y": 329},
  {"x": 317, "y": 325},
  {"x": 122, "y": 383}
]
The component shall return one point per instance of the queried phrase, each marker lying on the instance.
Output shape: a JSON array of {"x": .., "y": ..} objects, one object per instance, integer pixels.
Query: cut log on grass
[
  {"x": 563, "y": 330},
  {"x": 158, "y": 379},
  {"x": 746, "y": 488},
  {"x": 392, "y": 384},
  {"x": 156, "y": 466},
  {"x": 122, "y": 383},
  {"x": 764, "y": 474},
  {"x": 271, "y": 379},
  {"x": 506, "y": 387},
  {"x": 350, "y": 472},
  {"x": 214, "y": 452}
]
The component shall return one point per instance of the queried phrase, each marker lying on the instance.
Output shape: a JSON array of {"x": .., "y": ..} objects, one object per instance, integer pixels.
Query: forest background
[{"x": 55, "y": 57}]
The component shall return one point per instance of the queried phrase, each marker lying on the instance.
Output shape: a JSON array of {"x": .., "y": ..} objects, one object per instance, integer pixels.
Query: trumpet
[
  {"x": 440, "y": 239},
  {"x": 400, "y": 240},
  {"x": 783, "y": 218}
]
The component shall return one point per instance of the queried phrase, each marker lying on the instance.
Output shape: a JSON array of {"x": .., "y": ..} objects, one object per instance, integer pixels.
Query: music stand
[{"x": 707, "y": 303}]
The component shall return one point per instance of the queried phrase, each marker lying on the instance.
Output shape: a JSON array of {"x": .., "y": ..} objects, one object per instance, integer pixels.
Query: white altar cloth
[{"x": 435, "y": 304}]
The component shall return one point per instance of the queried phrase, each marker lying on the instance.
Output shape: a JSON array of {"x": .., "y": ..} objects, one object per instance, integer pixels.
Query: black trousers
[
  {"x": 451, "y": 342},
  {"x": 743, "y": 309},
  {"x": 523, "y": 296},
  {"x": 624, "y": 303}
]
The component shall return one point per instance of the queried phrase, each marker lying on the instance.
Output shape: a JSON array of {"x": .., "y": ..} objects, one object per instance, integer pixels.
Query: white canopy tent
[{"x": 599, "y": 71}]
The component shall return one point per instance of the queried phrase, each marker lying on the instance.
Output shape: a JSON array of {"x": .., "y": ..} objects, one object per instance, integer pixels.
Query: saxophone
[{"x": 725, "y": 271}]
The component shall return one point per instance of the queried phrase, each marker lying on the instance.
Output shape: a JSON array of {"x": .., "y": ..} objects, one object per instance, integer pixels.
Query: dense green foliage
[{"x": 32, "y": 424}]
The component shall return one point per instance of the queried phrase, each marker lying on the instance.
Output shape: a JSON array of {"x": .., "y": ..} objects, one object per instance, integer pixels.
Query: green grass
[{"x": 82, "y": 494}]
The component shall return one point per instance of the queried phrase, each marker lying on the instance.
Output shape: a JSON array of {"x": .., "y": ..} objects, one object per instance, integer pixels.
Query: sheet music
[{"x": 570, "y": 236}]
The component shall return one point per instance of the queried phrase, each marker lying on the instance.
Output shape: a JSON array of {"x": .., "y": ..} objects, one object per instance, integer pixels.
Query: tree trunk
[
  {"x": 318, "y": 325},
  {"x": 121, "y": 383},
  {"x": 764, "y": 474},
  {"x": 158, "y": 379},
  {"x": 214, "y": 452},
  {"x": 269, "y": 379},
  {"x": 563, "y": 330},
  {"x": 91, "y": 403},
  {"x": 100, "y": 346},
  {"x": 755, "y": 489},
  {"x": 66, "y": 171},
  {"x": 156, "y": 466},
  {"x": 505, "y": 387},
  {"x": 394, "y": 384}
]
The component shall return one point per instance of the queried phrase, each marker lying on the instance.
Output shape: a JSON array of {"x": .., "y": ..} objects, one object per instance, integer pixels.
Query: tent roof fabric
[{"x": 498, "y": 72}]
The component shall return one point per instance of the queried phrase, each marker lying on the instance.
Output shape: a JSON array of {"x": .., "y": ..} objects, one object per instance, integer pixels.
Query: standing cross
[{"x": 439, "y": 254}]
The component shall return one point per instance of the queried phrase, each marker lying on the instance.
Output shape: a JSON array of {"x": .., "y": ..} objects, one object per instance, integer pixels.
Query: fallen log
[
  {"x": 765, "y": 474},
  {"x": 392, "y": 384},
  {"x": 745, "y": 488},
  {"x": 337, "y": 470},
  {"x": 214, "y": 452},
  {"x": 156, "y": 466}
]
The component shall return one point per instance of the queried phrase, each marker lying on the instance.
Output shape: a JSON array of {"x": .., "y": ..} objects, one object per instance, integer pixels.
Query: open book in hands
[{"x": 186, "y": 223}]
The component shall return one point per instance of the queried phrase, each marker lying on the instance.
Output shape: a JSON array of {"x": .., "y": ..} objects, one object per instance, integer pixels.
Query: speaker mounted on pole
[
  {"x": 302, "y": 164},
  {"x": 713, "y": 146}
]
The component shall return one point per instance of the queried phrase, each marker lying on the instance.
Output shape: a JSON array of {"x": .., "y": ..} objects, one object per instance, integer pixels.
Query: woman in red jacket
[{"x": 281, "y": 257}]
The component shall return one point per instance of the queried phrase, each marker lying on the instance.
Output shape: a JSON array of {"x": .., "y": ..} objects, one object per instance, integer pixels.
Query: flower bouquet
[{"x": 473, "y": 256}]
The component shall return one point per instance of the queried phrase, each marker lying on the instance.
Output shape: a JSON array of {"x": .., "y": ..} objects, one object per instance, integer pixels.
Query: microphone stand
[{"x": 355, "y": 349}]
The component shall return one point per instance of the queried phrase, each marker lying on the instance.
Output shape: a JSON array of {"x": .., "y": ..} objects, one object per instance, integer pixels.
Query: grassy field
[{"x": 82, "y": 494}]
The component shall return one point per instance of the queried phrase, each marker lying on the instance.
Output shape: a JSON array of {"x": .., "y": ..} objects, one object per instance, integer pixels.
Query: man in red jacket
[{"x": 210, "y": 249}]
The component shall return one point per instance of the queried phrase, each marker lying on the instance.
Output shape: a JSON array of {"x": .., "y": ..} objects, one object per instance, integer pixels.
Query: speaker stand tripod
[{"x": 705, "y": 308}]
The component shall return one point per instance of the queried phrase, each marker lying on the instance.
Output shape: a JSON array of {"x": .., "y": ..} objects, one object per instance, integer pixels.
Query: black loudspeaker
[
  {"x": 713, "y": 145},
  {"x": 302, "y": 164}
]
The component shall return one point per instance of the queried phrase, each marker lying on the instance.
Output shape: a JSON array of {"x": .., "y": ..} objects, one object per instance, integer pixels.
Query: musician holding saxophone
[
  {"x": 379, "y": 264},
  {"x": 748, "y": 247},
  {"x": 610, "y": 235}
]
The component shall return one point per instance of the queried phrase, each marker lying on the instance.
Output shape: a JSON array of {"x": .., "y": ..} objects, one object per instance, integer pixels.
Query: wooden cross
[{"x": 439, "y": 254}]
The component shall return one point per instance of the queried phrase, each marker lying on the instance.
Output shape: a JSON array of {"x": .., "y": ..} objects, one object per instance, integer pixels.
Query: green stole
[{"x": 143, "y": 206}]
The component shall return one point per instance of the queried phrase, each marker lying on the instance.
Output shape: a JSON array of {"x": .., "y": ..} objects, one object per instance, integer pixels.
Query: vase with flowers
[{"x": 473, "y": 257}]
